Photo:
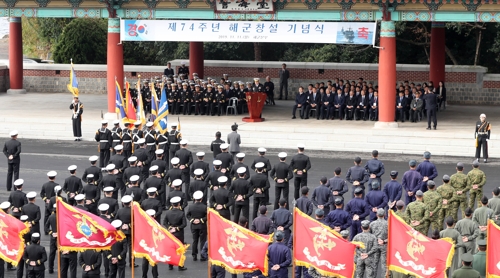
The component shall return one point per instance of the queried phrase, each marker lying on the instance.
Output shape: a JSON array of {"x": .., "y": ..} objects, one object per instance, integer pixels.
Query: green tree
[{"x": 84, "y": 40}]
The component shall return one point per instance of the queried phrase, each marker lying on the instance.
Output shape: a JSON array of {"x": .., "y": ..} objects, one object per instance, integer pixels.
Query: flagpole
[
  {"x": 293, "y": 244},
  {"x": 58, "y": 241},
  {"x": 132, "y": 238},
  {"x": 208, "y": 241},
  {"x": 390, "y": 212}
]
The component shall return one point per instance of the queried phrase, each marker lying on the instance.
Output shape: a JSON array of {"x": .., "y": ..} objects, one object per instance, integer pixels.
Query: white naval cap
[
  {"x": 108, "y": 189},
  {"x": 54, "y": 206},
  {"x": 173, "y": 125},
  {"x": 240, "y": 155},
  {"x": 93, "y": 158},
  {"x": 261, "y": 150},
  {"x": 241, "y": 170},
  {"x": 177, "y": 182},
  {"x": 18, "y": 182},
  {"x": 175, "y": 200},
  {"x": 104, "y": 122},
  {"x": 175, "y": 160},
  {"x": 13, "y": 133},
  {"x": 224, "y": 146},
  {"x": 198, "y": 172},
  {"x": 141, "y": 141},
  {"x": 126, "y": 199},
  {"x": 222, "y": 179},
  {"x": 110, "y": 167},
  {"x": 35, "y": 235},
  {"x": 151, "y": 212},
  {"x": 200, "y": 154},
  {"x": 149, "y": 124},
  {"x": 151, "y": 190},
  {"x": 24, "y": 218},
  {"x": 217, "y": 162},
  {"x": 184, "y": 142},
  {"x": 90, "y": 176},
  {"x": 31, "y": 195},
  {"x": 198, "y": 195},
  {"x": 260, "y": 165},
  {"x": 103, "y": 207},
  {"x": 79, "y": 197},
  {"x": 117, "y": 223},
  {"x": 116, "y": 122},
  {"x": 72, "y": 168},
  {"x": 5, "y": 205},
  {"x": 137, "y": 123},
  {"x": 134, "y": 178},
  {"x": 153, "y": 168},
  {"x": 132, "y": 159},
  {"x": 159, "y": 151},
  {"x": 118, "y": 147},
  {"x": 301, "y": 146},
  {"x": 57, "y": 188},
  {"x": 51, "y": 174},
  {"x": 282, "y": 155}
]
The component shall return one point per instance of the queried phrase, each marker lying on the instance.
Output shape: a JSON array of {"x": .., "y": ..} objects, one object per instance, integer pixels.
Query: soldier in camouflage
[
  {"x": 365, "y": 257},
  {"x": 400, "y": 205},
  {"x": 434, "y": 203},
  {"x": 417, "y": 214},
  {"x": 475, "y": 180},
  {"x": 482, "y": 215},
  {"x": 449, "y": 196},
  {"x": 469, "y": 230},
  {"x": 379, "y": 228},
  {"x": 452, "y": 233},
  {"x": 459, "y": 182}
]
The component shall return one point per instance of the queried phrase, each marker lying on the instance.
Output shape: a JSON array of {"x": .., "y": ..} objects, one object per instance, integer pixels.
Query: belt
[
  {"x": 174, "y": 143},
  {"x": 116, "y": 140},
  {"x": 103, "y": 141},
  {"x": 482, "y": 133},
  {"x": 151, "y": 144},
  {"x": 127, "y": 141},
  {"x": 162, "y": 143}
]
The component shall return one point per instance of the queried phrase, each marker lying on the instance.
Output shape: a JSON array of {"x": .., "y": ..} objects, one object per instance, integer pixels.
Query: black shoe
[
  {"x": 434, "y": 128},
  {"x": 293, "y": 117},
  {"x": 135, "y": 265},
  {"x": 11, "y": 268},
  {"x": 195, "y": 258},
  {"x": 306, "y": 118},
  {"x": 76, "y": 139},
  {"x": 181, "y": 268},
  {"x": 485, "y": 160},
  {"x": 268, "y": 204},
  {"x": 203, "y": 260},
  {"x": 170, "y": 267},
  {"x": 51, "y": 272},
  {"x": 280, "y": 99},
  {"x": 429, "y": 128}
]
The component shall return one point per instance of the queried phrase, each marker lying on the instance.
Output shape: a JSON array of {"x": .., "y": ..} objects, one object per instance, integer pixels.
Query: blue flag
[
  {"x": 119, "y": 109},
  {"x": 161, "y": 120}
]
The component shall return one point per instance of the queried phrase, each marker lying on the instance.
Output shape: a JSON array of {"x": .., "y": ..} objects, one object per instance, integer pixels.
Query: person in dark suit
[
  {"x": 284, "y": 75},
  {"x": 326, "y": 105},
  {"x": 269, "y": 89},
  {"x": 441, "y": 92},
  {"x": 416, "y": 107},
  {"x": 350, "y": 103},
  {"x": 409, "y": 98},
  {"x": 431, "y": 102},
  {"x": 300, "y": 102},
  {"x": 374, "y": 107},
  {"x": 168, "y": 71},
  {"x": 338, "y": 103},
  {"x": 362, "y": 106},
  {"x": 400, "y": 106},
  {"x": 314, "y": 102},
  {"x": 11, "y": 150}
]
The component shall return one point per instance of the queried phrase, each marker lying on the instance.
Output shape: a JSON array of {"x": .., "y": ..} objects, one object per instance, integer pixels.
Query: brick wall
[{"x": 4, "y": 79}]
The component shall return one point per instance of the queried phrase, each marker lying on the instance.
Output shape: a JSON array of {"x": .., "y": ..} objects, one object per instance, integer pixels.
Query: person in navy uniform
[
  {"x": 375, "y": 199},
  {"x": 357, "y": 176},
  {"x": 12, "y": 150},
  {"x": 303, "y": 203},
  {"x": 314, "y": 102},
  {"x": 282, "y": 220},
  {"x": 338, "y": 104},
  {"x": 117, "y": 255},
  {"x": 375, "y": 169},
  {"x": 116, "y": 135},
  {"x": 359, "y": 210},
  {"x": 242, "y": 98},
  {"x": 257, "y": 86},
  {"x": 242, "y": 191},
  {"x": 337, "y": 185},
  {"x": 338, "y": 219},
  {"x": 300, "y": 165},
  {"x": 427, "y": 170},
  {"x": 183, "y": 69},
  {"x": 326, "y": 108},
  {"x": 35, "y": 257},
  {"x": 104, "y": 139},
  {"x": 393, "y": 191},
  {"x": 90, "y": 260},
  {"x": 281, "y": 174},
  {"x": 197, "y": 216},
  {"x": 77, "y": 108},
  {"x": 401, "y": 106},
  {"x": 221, "y": 199},
  {"x": 374, "y": 107},
  {"x": 431, "y": 102},
  {"x": 260, "y": 184},
  {"x": 175, "y": 222},
  {"x": 482, "y": 135},
  {"x": 322, "y": 196},
  {"x": 300, "y": 102},
  {"x": 172, "y": 99},
  {"x": 280, "y": 257}
]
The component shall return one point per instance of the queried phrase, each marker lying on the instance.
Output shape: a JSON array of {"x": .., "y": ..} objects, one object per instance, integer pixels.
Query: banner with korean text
[{"x": 248, "y": 31}]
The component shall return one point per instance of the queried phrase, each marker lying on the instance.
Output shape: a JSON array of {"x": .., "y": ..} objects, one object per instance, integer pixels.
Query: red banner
[
  {"x": 79, "y": 230},
  {"x": 153, "y": 242},
  {"x": 493, "y": 251},
  {"x": 410, "y": 252},
  {"x": 11, "y": 238},
  {"x": 317, "y": 245},
  {"x": 237, "y": 249}
]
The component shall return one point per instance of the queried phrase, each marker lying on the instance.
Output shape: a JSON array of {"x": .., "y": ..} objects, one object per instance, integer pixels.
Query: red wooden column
[
  {"x": 196, "y": 59},
  {"x": 387, "y": 71},
  {"x": 115, "y": 61},
  {"x": 16, "y": 56},
  {"x": 438, "y": 54}
]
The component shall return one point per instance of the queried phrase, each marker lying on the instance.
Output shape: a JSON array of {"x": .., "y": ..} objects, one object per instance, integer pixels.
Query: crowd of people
[{"x": 179, "y": 186}]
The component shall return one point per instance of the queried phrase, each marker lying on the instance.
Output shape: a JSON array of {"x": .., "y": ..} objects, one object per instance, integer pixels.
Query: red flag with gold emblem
[
  {"x": 411, "y": 252},
  {"x": 235, "y": 248},
  {"x": 317, "y": 245},
  {"x": 11, "y": 238},
  {"x": 493, "y": 251},
  {"x": 153, "y": 242},
  {"x": 79, "y": 230}
]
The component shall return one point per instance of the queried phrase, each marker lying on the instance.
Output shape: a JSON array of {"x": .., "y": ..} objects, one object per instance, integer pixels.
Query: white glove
[{"x": 487, "y": 140}]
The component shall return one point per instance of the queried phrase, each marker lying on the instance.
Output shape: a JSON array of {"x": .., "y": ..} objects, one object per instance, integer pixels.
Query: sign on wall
[
  {"x": 244, "y": 6},
  {"x": 248, "y": 31}
]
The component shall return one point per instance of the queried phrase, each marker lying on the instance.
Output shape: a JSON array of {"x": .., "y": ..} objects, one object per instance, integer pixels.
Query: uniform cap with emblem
[
  {"x": 103, "y": 207},
  {"x": 177, "y": 182},
  {"x": 35, "y": 236},
  {"x": 259, "y": 165},
  {"x": 137, "y": 123},
  {"x": 224, "y": 146},
  {"x": 279, "y": 235},
  {"x": 110, "y": 167},
  {"x": 240, "y": 155},
  {"x": 13, "y": 133},
  {"x": 419, "y": 193},
  {"x": 117, "y": 223},
  {"x": 93, "y": 158},
  {"x": 222, "y": 179},
  {"x": 151, "y": 212},
  {"x": 116, "y": 122},
  {"x": 159, "y": 152},
  {"x": 108, "y": 189},
  {"x": 241, "y": 170},
  {"x": 412, "y": 163},
  {"x": 5, "y": 205},
  {"x": 282, "y": 155},
  {"x": 261, "y": 150},
  {"x": 427, "y": 155},
  {"x": 320, "y": 212},
  {"x": 126, "y": 199},
  {"x": 446, "y": 178},
  {"x": 338, "y": 201},
  {"x": 153, "y": 168},
  {"x": 72, "y": 168},
  {"x": 301, "y": 146},
  {"x": 394, "y": 173},
  {"x": 90, "y": 176},
  {"x": 79, "y": 197},
  {"x": 24, "y": 217},
  {"x": 184, "y": 142},
  {"x": 198, "y": 172},
  {"x": 198, "y": 195},
  {"x": 358, "y": 190},
  {"x": 200, "y": 154},
  {"x": 132, "y": 159},
  {"x": 375, "y": 184},
  {"x": 31, "y": 195},
  {"x": 175, "y": 160},
  {"x": 141, "y": 141},
  {"x": 217, "y": 162},
  {"x": 151, "y": 190},
  {"x": 365, "y": 224},
  {"x": 51, "y": 174},
  {"x": 57, "y": 188},
  {"x": 481, "y": 242},
  {"x": 173, "y": 125},
  {"x": 104, "y": 122},
  {"x": 149, "y": 124},
  {"x": 134, "y": 178},
  {"x": 118, "y": 147},
  {"x": 175, "y": 200},
  {"x": 467, "y": 257}
]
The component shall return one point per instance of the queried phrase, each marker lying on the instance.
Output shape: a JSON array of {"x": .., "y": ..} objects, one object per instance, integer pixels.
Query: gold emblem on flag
[
  {"x": 233, "y": 239},
  {"x": 2, "y": 232},
  {"x": 414, "y": 246},
  {"x": 322, "y": 239}
]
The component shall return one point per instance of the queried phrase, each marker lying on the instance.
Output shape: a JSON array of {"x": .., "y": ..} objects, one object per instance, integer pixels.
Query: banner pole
[
  {"x": 57, "y": 240},
  {"x": 209, "y": 265},
  {"x": 132, "y": 259},
  {"x": 387, "y": 271},
  {"x": 293, "y": 243}
]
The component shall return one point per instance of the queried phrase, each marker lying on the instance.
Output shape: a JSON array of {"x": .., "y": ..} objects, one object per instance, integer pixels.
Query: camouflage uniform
[
  {"x": 475, "y": 176},
  {"x": 494, "y": 204},
  {"x": 418, "y": 211},
  {"x": 481, "y": 217},
  {"x": 459, "y": 182},
  {"x": 402, "y": 214},
  {"x": 368, "y": 264},
  {"x": 448, "y": 193},
  {"x": 469, "y": 229},
  {"x": 379, "y": 228},
  {"x": 434, "y": 202},
  {"x": 457, "y": 240}
]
